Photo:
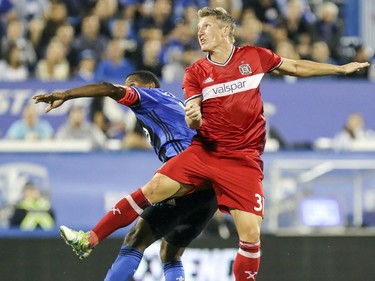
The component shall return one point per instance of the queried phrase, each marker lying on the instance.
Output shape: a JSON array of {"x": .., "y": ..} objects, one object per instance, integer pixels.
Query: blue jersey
[{"x": 162, "y": 117}]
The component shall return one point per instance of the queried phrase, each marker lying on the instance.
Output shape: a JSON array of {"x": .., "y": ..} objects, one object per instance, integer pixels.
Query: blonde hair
[{"x": 220, "y": 14}]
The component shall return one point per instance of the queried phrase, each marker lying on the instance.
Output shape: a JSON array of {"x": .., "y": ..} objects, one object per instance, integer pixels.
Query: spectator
[
  {"x": 150, "y": 52},
  {"x": 175, "y": 69},
  {"x": 30, "y": 127},
  {"x": 353, "y": 131},
  {"x": 90, "y": 38},
  {"x": 78, "y": 128},
  {"x": 295, "y": 20},
  {"x": 33, "y": 210},
  {"x": 250, "y": 31},
  {"x": 109, "y": 117},
  {"x": 31, "y": 9},
  {"x": 54, "y": 65},
  {"x": 14, "y": 68},
  {"x": 123, "y": 30},
  {"x": 114, "y": 66},
  {"x": 55, "y": 18},
  {"x": 320, "y": 53},
  {"x": 267, "y": 11},
  {"x": 15, "y": 36},
  {"x": 86, "y": 66},
  {"x": 362, "y": 54},
  {"x": 304, "y": 45},
  {"x": 35, "y": 27},
  {"x": 105, "y": 10},
  {"x": 157, "y": 15},
  {"x": 329, "y": 28},
  {"x": 65, "y": 34}
]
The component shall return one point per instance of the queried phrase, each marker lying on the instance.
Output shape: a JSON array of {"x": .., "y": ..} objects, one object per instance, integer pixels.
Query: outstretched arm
[
  {"x": 306, "y": 68},
  {"x": 56, "y": 99}
]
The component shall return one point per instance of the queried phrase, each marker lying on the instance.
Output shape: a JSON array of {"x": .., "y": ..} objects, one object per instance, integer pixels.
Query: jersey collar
[{"x": 226, "y": 62}]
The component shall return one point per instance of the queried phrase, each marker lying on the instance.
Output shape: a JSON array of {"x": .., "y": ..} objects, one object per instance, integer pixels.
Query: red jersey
[{"x": 232, "y": 106}]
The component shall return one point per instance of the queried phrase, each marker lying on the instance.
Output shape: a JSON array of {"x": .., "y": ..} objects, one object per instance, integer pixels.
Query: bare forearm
[
  {"x": 306, "y": 68},
  {"x": 94, "y": 90}
]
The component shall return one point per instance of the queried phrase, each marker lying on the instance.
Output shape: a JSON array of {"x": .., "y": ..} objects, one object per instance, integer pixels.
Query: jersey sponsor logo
[
  {"x": 232, "y": 87},
  {"x": 245, "y": 69}
]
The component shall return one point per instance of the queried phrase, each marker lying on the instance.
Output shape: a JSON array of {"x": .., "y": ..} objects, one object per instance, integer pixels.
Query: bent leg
[
  {"x": 246, "y": 264},
  {"x": 125, "y": 211}
]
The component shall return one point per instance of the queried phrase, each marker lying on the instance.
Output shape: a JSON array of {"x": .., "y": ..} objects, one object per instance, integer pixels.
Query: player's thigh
[
  {"x": 161, "y": 187},
  {"x": 247, "y": 224}
]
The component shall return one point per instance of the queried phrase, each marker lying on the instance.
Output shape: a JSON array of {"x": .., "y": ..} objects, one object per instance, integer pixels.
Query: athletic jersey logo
[
  {"x": 171, "y": 202},
  {"x": 245, "y": 69},
  {"x": 116, "y": 210},
  {"x": 251, "y": 275},
  {"x": 208, "y": 80},
  {"x": 180, "y": 278}
]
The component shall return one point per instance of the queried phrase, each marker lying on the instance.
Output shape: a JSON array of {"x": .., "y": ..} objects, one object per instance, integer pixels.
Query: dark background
[{"x": 284, "y": 258}]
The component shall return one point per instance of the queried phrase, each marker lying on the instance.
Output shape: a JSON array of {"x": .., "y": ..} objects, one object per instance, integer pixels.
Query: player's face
[
  {"x": 210, "y": 33},
  {"x": 133, "y": 80}
]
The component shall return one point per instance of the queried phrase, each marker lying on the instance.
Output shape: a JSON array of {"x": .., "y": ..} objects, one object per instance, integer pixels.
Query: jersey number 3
[{"x": 260, "y": 202}]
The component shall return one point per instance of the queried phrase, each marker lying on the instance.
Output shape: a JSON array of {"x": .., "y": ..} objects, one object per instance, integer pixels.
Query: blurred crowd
[{"x": 97, "y": 40}]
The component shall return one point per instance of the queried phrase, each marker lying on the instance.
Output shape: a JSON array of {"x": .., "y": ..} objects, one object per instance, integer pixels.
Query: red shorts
[{"x": 236, "y": 176}]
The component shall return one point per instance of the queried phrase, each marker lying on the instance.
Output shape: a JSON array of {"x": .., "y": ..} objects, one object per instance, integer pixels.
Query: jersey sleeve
[
  {"x": 131, "y": 97},
  {"x": 268, "y": 59},
  {"x": 191, "y": 85}
]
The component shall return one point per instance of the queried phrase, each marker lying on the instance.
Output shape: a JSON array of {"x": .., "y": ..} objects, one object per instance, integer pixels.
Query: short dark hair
[{"x": 146, "y": 77}]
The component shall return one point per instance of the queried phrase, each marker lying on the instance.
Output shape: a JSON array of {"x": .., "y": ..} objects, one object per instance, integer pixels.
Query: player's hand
[
  {"x": 354, "y": 66},
  {"x": 54, "y": 100},
  {"x": 193, "y": 111}
]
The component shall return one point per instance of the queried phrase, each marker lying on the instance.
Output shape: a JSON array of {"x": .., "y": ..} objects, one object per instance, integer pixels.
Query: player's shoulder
[
  {"x": 252, "y": 48},
  {"x": 197, "y": 64}
]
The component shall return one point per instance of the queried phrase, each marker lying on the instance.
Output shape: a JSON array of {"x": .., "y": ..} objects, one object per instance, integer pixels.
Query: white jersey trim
[
  {"x": 276, "y": 67},
  {"x": 248, "y": 254},
  {"x": 192, "y": 97},
  {"x": 232, "y": 87}
]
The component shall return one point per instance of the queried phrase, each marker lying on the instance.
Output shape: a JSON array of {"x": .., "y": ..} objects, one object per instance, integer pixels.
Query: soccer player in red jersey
[{"x": 223, "y": 103}]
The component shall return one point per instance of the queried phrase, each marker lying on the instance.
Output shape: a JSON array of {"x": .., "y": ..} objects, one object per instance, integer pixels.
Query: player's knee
[
  {"x": 152, "y": 189},
  {"x": 131, "y": 238},
  {"x": 250, "y": 233}
]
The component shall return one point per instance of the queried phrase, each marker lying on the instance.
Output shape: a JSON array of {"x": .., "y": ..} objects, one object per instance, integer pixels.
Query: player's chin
[{"x": 205, "y": 49}]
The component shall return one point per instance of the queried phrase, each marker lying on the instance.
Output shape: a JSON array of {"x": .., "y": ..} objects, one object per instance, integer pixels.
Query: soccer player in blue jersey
[{"x": 178, "y": 220}]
